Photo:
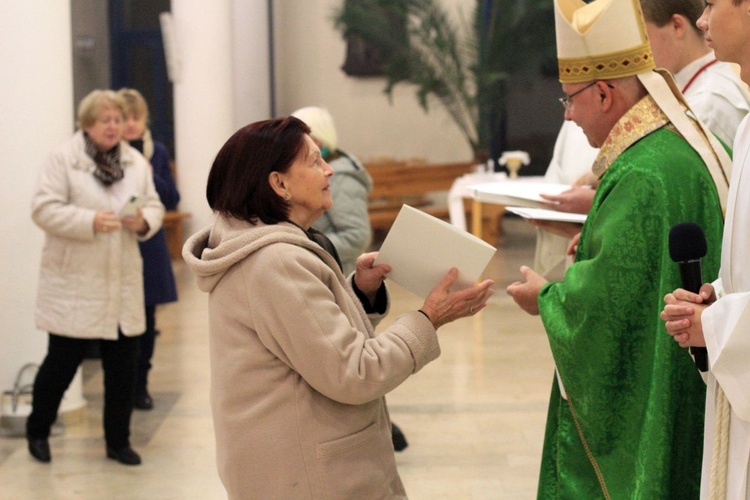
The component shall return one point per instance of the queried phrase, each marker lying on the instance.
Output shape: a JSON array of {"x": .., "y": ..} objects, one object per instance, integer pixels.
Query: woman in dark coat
[{"x": 158, "y": 280}]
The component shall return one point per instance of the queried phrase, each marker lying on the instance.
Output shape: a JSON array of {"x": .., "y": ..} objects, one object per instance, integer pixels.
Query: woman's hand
[
  {"x": 443, "y": 306},
  {"x": 367, "y": 277},
  {"x": 136, "y": 223},
  {"x": 106, "y": 221}
]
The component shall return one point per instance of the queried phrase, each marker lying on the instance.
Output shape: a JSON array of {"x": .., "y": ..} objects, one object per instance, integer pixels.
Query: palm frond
[{"x": 464, "y": 68}]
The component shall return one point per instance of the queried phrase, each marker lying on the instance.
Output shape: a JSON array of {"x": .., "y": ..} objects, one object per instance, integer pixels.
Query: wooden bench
[{"x": 396, "y": 183}]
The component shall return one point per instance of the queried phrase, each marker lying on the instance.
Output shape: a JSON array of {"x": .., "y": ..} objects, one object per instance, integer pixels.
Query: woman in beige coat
[
  {"x": 90, "y": 283},
  {"x": 298, "y": 376}
]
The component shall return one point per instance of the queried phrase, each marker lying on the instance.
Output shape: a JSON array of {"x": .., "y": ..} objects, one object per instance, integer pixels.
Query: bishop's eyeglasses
[{"x": 567, "y": 100}]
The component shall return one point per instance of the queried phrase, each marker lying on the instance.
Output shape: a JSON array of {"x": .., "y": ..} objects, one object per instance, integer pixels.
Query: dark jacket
[{"x": 158, "y": 280}]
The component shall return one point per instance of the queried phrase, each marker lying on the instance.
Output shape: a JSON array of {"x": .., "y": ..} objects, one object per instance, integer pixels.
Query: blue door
[{"x": 137, "y": 55}]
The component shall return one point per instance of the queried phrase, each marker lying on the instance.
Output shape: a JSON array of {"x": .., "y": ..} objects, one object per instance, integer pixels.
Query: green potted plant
[{"x": 465, "y": 66}]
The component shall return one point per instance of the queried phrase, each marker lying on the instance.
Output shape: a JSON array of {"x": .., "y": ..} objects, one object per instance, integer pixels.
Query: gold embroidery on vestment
[{"x": 640, "y": 120}]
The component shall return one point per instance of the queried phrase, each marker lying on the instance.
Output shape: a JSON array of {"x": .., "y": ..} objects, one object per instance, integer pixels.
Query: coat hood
[
  {"x": 210, "y": 252},
  {"x": 348, "y": 165}
]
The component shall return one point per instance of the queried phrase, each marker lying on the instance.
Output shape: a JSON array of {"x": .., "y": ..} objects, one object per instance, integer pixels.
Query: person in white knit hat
[
  {"x": 625, "y": 417},
  {"x": 347, "y": 224},
  {"x": 717, "y": 318}
]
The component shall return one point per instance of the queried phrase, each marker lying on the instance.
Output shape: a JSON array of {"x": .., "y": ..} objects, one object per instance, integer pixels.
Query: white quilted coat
[{"x": 90, "y": 283}]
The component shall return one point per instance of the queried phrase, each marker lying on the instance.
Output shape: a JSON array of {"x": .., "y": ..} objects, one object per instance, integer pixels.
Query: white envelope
[{"x": 421, "y": 249}]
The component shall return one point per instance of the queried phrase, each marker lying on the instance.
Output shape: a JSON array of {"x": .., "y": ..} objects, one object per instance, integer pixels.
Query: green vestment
[{"x": 636, "y": 396}]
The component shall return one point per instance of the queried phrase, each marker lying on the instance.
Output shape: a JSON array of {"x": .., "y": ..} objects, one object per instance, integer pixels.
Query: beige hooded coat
[{"x": 298, "y": 376}]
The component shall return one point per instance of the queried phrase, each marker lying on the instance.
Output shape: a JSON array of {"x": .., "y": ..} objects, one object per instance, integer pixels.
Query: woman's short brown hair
[{"x": 238, "y": 183}]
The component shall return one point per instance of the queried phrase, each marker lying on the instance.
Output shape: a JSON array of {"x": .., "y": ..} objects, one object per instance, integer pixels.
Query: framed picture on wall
[
  {"x": 375, "y": 32},
  {"x": 361, "y": 59}
]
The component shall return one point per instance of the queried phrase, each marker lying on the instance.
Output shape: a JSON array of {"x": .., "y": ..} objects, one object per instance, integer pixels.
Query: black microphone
[{"x": 687, "y": 246}]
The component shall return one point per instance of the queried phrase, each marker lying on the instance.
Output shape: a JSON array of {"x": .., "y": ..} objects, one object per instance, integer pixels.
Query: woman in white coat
[{"x": 95, "y": 199}]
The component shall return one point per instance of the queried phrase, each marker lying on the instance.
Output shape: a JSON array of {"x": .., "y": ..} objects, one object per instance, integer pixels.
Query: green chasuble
[{"x": 637, "y": 398}]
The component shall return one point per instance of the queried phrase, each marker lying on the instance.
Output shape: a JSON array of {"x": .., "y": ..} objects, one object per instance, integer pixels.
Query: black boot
[
  {"x": 39, "y": 449},
  {"x": 125, "y": 455},
  {"x": 398, "y": 438},
  {"x": 143, "y": 400}
]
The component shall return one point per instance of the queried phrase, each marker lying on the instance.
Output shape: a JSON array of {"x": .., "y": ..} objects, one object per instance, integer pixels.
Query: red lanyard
[{"x": 703, "y": 68}]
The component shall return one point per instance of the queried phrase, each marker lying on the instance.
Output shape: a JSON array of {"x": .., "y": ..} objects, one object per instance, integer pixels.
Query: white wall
[
  {"x": 309, "y": 56},
  {"x": 250, "y": 62},
  {"x": 36, "y": 83}
]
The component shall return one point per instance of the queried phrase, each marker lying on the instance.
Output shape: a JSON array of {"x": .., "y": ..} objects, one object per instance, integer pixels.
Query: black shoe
[
  {"x": 143, "y": 401},
  {"x": 39, "y": 449},
  {"x": 125, "y": 456},
  {"x": 398, "y": 438}
]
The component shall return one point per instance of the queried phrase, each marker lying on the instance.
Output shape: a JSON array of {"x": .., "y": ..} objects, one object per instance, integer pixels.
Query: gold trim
[
  {"x": 640, "y": 120},
  {"x": 589, "y": 454},
  {"x": 606, "y": 66}
]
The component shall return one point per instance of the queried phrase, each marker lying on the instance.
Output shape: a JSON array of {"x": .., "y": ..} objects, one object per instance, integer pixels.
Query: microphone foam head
[{"x": 687, "y": 242}]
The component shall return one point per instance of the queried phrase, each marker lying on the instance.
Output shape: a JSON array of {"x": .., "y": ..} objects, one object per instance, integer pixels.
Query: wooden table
[
  {"x": 481, "y": 205},
  {"x": 173, "y": 228}
]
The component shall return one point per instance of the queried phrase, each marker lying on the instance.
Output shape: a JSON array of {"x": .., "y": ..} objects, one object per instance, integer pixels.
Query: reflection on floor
[{"x": 474, "y": 418}]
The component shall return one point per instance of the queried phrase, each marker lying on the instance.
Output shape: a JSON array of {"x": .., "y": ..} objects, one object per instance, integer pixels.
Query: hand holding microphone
[{"x": 687, "y": 246}]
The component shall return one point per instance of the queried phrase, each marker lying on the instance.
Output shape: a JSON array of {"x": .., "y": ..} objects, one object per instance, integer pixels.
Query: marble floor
[{"x": 474, "y": 418}]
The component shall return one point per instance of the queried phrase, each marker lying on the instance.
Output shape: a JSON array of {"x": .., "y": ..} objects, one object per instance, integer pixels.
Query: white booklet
[
  {"x": 421, "y": 249},
  {"x": 516, "y": 193},
  {"x": 544, "y": 214}
]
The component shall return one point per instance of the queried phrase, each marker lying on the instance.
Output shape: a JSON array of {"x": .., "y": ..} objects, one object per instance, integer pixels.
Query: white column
[
  {"x": 250, "y": 62},
  {"x": 222, "y": 85},
  {"x": 202, "y": 98},
  {"x": 37, "y": 110}
]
